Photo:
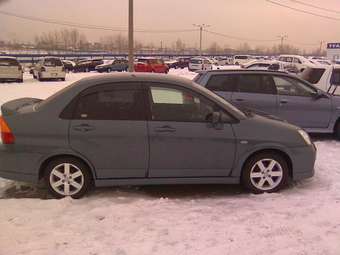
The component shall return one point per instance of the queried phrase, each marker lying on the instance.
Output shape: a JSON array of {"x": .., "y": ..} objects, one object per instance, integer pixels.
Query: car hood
[{"x": 259, "y": 129}]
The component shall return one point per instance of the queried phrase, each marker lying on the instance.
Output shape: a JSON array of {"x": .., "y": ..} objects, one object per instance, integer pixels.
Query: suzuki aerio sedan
[{"x": 142, "y": 129}]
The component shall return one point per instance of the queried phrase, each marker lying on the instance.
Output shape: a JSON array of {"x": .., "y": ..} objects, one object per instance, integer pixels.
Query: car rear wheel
[
  {"x": 265, "y": 172},
  {"x": 67, "y": 177},
  {"x": 337, "y": 130}
]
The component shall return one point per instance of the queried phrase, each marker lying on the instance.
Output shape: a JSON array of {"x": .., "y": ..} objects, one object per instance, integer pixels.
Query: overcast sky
[{"x": 242, "y": 18}]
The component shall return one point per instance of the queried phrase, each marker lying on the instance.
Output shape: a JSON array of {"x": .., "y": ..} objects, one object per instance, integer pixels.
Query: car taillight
[
  {"x": 6, "y": 133},
  {"x": 43, "y": 69},
  {"x": 63, "y": 69}
]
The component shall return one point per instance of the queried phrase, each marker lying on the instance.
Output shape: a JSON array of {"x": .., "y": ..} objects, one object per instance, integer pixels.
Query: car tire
[
  {"x": 63, "y": 79},
  {"x": 265, "y": 172},
  {"x": 38, "y": 77},
  {"x": 74, "y": 182},
  {"x": 337, "y": 130}
]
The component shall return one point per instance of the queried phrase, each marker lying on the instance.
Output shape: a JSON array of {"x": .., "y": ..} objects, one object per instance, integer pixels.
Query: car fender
[
  {"x": 67, "y": 152},
  {"x": 244, "y": 151}
]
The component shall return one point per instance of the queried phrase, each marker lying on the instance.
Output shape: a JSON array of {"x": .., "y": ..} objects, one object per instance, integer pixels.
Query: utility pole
[
  {"x": 131, "y": 42},
  {"x": 201, "y": 27},
  {"x": 282, "y": 38},
  {"x": 320, "y": 49}
]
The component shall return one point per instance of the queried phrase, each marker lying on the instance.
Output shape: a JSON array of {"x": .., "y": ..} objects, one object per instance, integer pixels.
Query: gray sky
[{"x": 242, "y": 18}]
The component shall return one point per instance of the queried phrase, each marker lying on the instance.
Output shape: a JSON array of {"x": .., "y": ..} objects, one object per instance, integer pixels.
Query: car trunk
[{"x": 15, "y": 106}]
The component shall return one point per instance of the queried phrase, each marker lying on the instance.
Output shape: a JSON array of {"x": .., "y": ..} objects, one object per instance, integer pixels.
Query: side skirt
[{"x": 168, "y": 181}]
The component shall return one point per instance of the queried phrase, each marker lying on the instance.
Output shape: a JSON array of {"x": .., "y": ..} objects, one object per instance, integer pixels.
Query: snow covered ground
[{"x": 304, "y": 219}]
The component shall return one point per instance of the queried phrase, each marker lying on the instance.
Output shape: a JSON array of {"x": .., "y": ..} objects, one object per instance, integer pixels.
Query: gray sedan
[{"x": 144, "y": 129}]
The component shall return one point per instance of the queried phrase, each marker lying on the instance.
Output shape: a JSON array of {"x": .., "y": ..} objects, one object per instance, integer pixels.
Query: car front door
[
  {"x": 183, "y": 140},
  {"x": 109, "y": 128},
  {"x": 256, "y": 92},
  {"x": 299, "y": 105}
]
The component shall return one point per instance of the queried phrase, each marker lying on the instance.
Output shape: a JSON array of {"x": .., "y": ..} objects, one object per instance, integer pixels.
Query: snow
[{"x": 184, "y": 219}]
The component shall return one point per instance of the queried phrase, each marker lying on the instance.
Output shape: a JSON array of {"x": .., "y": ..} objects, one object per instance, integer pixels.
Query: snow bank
[{"x": 167, "y": 220}]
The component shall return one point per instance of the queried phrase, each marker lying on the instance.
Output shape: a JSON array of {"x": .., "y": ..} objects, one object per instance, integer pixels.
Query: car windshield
[
  {"x": 8, "y": 62},
  {"x": 313, "y": 75},
  {"x": 52, "y": 62}
]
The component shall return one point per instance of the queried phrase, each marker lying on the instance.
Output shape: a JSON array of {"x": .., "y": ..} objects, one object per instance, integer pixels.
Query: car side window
[
  {"x": 111, "y": 104},
  {"x": 176, "y": 104},
  {"x": 291, "y": 87},
  {"x": 226, "y": 83},
  {"x": 256, "y": 83}
]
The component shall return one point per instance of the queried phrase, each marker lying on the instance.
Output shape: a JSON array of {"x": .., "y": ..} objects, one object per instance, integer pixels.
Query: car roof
[
  {"x": 241, "y": 71},
  {"x": 150, "y": 77},
  {"x": 5, "y": 57}
]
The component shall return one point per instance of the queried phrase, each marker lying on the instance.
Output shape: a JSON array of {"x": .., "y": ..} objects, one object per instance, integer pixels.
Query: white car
[
  {"x": 10, "y": 69},
  {"x": 49, "y": 68},
  {"x": 325, "y": 77},
  {"x": 241, "y": 59},
  {"x": 263, "y": 65},
  {"x": 295, "y": 62},
  {"x": 200, "y": 64}
]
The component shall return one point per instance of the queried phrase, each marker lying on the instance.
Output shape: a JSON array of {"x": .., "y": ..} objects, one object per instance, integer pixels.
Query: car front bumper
[{"x": 303, "y": 161}]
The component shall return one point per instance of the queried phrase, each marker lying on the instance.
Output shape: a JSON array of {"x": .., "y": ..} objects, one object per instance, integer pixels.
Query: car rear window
[
  {"x": 8, "y": 62},
  {"x": 241, "y": 57},
  {"x": 196, "y": 61},
  {"x": 313, "y": 75},
  {"x": 52, "y": 62}
]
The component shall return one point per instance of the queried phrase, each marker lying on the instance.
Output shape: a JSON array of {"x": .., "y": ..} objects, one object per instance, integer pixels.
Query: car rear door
[
  {"x": 256, "y": 92},
  {"x": 298, "y": 104},
  {"x": 109, "y": 128},
  {"x": 183, "y": 141}
]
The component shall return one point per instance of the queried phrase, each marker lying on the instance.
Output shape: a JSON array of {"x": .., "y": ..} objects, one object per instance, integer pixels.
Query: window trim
[
  {"x": 148, "y": 93},
  {"x": 69, "y": 110},
  {"x": 296, "y": 79}
]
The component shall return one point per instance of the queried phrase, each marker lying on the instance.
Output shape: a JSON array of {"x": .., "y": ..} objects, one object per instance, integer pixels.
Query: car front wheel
[
  {"x": 67, "y": 177},
  {"x": 265, "y": 172}
]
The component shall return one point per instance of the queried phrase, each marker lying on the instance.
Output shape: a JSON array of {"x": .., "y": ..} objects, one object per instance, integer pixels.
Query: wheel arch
[
  {"x": 48, "y": 159},
  {"x": 280, "y": 152}
]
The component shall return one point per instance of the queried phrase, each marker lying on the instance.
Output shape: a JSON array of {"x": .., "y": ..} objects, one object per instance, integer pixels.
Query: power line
[
  {"x": 303, "y": 11},
  {"x": 240, "y": 38},
  {"x": 316, "y": 7},
  {"x": 88, "y": 26}
]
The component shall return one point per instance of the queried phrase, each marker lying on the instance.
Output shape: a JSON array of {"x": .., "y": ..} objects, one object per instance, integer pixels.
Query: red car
[{"x": 151, "y": 65}]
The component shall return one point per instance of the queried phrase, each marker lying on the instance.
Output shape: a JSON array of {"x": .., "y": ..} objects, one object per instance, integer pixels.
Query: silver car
[
  {"x": 10, "y": 69},
  {"x": 49, "y": 68}
]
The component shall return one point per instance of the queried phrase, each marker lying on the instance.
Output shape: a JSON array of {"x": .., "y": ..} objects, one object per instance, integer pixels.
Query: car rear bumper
[
  {"x": 18, "y": 165},
  {"x": 10, "y": 77},
  {"x": 303, "y": 161},
  {"x": 51, "y": 75}
]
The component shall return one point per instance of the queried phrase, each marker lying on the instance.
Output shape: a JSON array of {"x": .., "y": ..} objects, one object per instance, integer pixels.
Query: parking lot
[{"x": 185, "y": 219}]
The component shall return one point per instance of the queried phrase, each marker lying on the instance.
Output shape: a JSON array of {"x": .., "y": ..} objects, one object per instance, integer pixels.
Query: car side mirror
[
  {"x": 319, "y": 94},
  {"x": 215, "y": 118}
]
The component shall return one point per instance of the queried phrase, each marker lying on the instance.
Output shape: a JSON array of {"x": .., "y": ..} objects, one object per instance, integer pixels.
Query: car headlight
[{"x": 305, "y": 136}]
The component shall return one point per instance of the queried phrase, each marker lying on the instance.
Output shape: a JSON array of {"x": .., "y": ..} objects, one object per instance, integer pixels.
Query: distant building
[{"x": 333, "y": 51}]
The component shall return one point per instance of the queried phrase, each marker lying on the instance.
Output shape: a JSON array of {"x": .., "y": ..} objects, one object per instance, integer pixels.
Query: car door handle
[
  {"x": 83, "y": 128},
  {"x": 165, "y": 129},
  {"x": 283, "y": 101},
  {"x": 239, "y": 99}
]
